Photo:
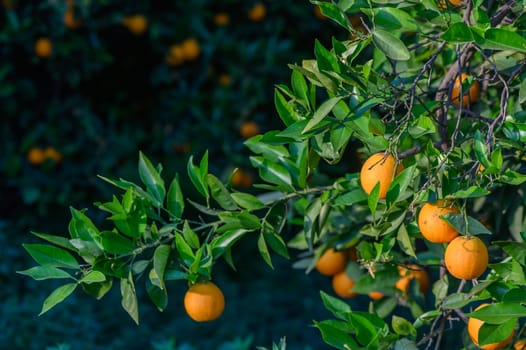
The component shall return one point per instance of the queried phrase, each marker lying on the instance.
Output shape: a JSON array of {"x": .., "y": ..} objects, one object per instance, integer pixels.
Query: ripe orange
[
  {"x": 408, "y": 274},
  {"x": 191, "y": 49},
  {"x": 36, "y": 156},
  {"x": 375, "y": 295},
  {"x": 175, "y": 55},
  {"x": 442, "y": 4},
  {"x": 257, "y": 12},
  {"x": 466, "y": 257},
  {"x": 468, "y": 97},
  {"x": 137, "y": 24},
  {"x": 69, "y": 19},
  {"x": 43, "y": 47},
  {"x": 432, "y": 227},
  {"x": 249, "y": 129},
  {"x": 52, "y": 153},
  {"x": 331, "y": 262},
  {"x": 241, "y": 179},
  {"x": 224, "y": 79},
  {"x": 520, "y": 344},
  {"x": 378, "y": 168},
  {"x": 204, "y": 302},
  {"x": 342, "y": 284},
  {"x": 221, "y": 19},
  {"x": 474, "y": 325}
]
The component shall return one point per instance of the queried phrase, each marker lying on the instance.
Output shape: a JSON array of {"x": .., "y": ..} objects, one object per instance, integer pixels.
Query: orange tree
[{"x": 391, "y": 87}]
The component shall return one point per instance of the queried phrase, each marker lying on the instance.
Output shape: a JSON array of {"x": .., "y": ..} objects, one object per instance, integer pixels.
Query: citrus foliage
[{"x": 388, "y": 88}]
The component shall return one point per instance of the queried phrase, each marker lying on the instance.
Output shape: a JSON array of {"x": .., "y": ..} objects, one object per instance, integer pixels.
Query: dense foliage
[{"x": 432, "y": 95}]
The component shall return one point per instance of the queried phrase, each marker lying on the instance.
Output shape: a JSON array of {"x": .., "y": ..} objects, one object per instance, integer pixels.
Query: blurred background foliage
[{"x": 85, "y": 85}]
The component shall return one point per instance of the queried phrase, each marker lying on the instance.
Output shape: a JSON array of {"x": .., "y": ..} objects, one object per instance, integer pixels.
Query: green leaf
[
  {"x": 159, "y": 296},
  {"x": 326, "y": 60},
  {"x": 129, "y": 298},
  {"x": 400, "y": 184},
  {"x": 225, "y": 241},
  {"x": 299, "y": 86},
  {"x": 160, "y": 259},
  {"x": 404, "y": 241},
  {"x": 98, "y": 289},
  {"x": 40, "y": 273},
  {"x": 503, "y": 39},
  {"x": 47, "y": 255},
  {"x": 190, "y": 236},
  {"x": 324, "y": 109},
  {"x": 458, "y": 32},
  {"x": 517, "y": 250},
  {"x": 273, "y": 173},
  {"x": 390, "y": 45},
  {"x": 114, "y": 243},
  {"x": 93, "y": 277},
  {"x": 195, "y": 174},
  {"x": 403, "y": 327},
  {"x": 263, "y": 250},
  {"x": 474, "y": 226},
  {"x": 247, "y": 201},
  {"x": 57, "y": 296},
  {"x": 336, "y": 306},
  {"x": 285, "y": 111},
  {"x": 175, "y": 199},
  {"x": 151, "y": 178},
  {"x": 333, "y": 12},
  {"x": 239, "y": 220},
  {"x": 220, "y": 194},
  {"x": 184, "y": 250},
  {"x": 259, "y": 145},
  {"x": 372, "y": 200},
  {"x": 277, "y": 244},
  {"x": 499, "y": 313},
  {"x": 335, "y": 334},
  {"x": 82, "y": 227},
  {"x": 491, "y": 333},
  {"x": 471, "y": 192},
  {"x": 391, "y": 19},
  {"x": 56, "y": 240}
]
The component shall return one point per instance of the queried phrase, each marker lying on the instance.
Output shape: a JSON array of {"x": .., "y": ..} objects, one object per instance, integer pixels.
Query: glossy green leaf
[
  {"x": 272, "y": 152},
  {"x": 129, "y": 298},
  {"x": 499, "y": 313},
  {"x": 60, "y": 241},
  {"x": 372, "y": 199},
  {"x": 226, "y": 240},
  {"x": 326, "y": 60},
  {"x": 299, "y": 86},
  {"x": 247, "y": 201},
  {"x": 98, "y": 289},
  {"x": 263, "y": 250},
  {"x": 324, "y": 109},
  {"x": 403, "y": 327},
  {"x": 458, "y": 32},
  {"x": 390, "y": 45},
  {"x": 114, "y": 243},
  {"x": 404, "y": 241},
  {"x": 470, "y": 192},
  {"x": 336, "y": 306},
  {"x": 159, "y": 296},
  {"x": 503, "y": 39},
  {"x": 195, "y": 175},
  {"x": 495, "y": 333},
  {"x": 151, "y": 178},
  {"x": 220, "y": 194},
  {"x": 285, "y": 111},
  {"x": 392, "y": 18},
  {"x": 47, "y": 255},
  {"x": 40, "y": 273},
  {"x": 473, "y": 227},
  {"x": 175, "y": 199},
  {"x": 333, "y": 12},
  {"x": 57, "y": 296},
  {"x": 93, "y": 277},
  {"x": 336, "y": 334},
  {"x": 184, "y": 250},
  {"x": 160, "y": 259},
  {"x": 273, "y": 173}
]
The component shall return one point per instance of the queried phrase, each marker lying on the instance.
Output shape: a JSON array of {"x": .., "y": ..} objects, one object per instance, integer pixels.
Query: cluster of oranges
[
  {"x": 37, "y": 155},
  {"x": 204, "y": 301},
  {"x": 332, "y": 263},
  {"x": 188, "y": 50}
]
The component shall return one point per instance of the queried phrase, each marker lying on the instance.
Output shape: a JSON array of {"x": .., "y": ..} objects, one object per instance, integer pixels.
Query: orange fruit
[
  {"x": 412, "y": 272},
  {"x": 378, "y": 168},
  {"x": 221, "y": 19},
  {"x": 468, "y": 97},
  {"x": 69, "y": 16},
  {"x": 175, "y": 55},
  {"x": 43, "y": 47},
  {"x": 137, "y": 24},
  {"x": 241, "y": 179},
  {"x": 257, "y": 12},
  {"x": 191, "y": 49},
  {"x": 249, "y": 129},
  {"x": 474, "y": 325},
  {"x": 204, "y": 302},
  {"x": 520, "y": 344},
  {"x": 431, "y": 225},
  {"x": 342, "y": 284},
  {"x": 442, "y": 4},
  {"x": 375, "y": 295},
  {"x": 36, "y": 156},
  {"x": 331, "y": 262},
  {"x": 224, "y": 79},
  {"x": 52, "y": 153},
  {"x": 466, "y": 257}
]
